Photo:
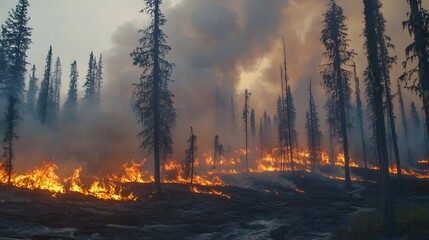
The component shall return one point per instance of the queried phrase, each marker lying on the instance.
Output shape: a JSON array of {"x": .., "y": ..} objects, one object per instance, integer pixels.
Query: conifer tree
[
  {"x": 153, "y": 100},
  {"x": 336, "y": 78},
  {"x": 4, "y": 64},
  {"x": 43, "y": 100},
  {"x": 32, "y": 90},
  {"x": 314, "y": 135},
  {"x": 281, "y": 131},
  {"x": 253, "y": 124},
  {"x": 417, "y": 78},
  {"x": 330, "y": 119},
  {"x": 359, "y": 113},
  {"x": 404, "y": 122},
  {"x": 90, "y": 84},
  {"x": 386, "y": 64},
  {"x": 292, "y": 142},
  {"x": 375, "y": 83},
  {"x": 16, "y": 40},
  {"x": 191, "y": 153},
  {"x": 288, "y": 142},
  {"x": 54, "y": 92},
  {"x": 70, "y": 104},
  {"x": 246, "y": 123},
  {"x": 99, "y": 77}
]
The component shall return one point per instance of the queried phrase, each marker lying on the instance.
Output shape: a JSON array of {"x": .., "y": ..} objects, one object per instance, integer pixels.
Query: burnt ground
[{"x": 263, "y": 207}]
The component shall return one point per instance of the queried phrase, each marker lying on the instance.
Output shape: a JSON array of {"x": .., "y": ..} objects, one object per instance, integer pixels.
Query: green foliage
[
  {"x": 412, "y": 223},
  {"x": 368, "y": 225}
]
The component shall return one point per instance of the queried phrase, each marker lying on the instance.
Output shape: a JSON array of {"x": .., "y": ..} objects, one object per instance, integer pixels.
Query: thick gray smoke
[{"x": 214, "y": 44}]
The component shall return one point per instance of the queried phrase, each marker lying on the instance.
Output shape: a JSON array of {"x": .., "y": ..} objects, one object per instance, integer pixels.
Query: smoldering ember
[{"x": 203, "y": 119}]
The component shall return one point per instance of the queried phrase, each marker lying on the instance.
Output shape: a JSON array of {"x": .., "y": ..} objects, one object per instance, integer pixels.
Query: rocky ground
[{"x": 261, "y": 206}]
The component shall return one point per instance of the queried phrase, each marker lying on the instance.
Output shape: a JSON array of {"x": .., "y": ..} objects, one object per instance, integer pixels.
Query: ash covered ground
[{"x": 263, "y": 206}]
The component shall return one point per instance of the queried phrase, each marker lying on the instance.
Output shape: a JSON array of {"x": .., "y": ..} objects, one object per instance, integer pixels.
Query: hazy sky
[
  {"x": 75, "y": 27},
  {"x": 236, "y": 43}
]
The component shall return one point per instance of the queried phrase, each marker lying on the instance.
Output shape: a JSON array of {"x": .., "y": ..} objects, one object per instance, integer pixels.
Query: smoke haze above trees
[{"x": 230, "y": 44}]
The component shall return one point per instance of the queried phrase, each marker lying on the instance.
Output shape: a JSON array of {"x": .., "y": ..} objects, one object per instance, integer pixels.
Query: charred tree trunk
[
  {"x": 288, "y": 114},
  {"x": 376, "y": 81},
  {"x": 282, "y": 122},
  {"x": 342, "y": 105},
  {"x": 156, "y": 99}
]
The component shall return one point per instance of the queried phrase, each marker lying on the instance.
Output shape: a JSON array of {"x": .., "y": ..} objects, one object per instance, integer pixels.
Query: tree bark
[
  {"x": 155, "y": 101},
  {"x": 373, "y": 61}
]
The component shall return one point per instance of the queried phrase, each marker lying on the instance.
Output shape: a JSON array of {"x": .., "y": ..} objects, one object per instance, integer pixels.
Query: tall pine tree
[
  {"x": 404, "y": 122},
  {"x": 291, "y": 119},
  {"x": 90, "y": 83},
  {"x": 44, "y": 94},
  {"x": 153, "y": 100},
  {"x": 417, "y": 78},
  {"x": 54, "y": 92},
  {"x": 386, "y": 64},
  {"x": 314, "y": 135},
  {"x": 191, "y": 153},
  {"x": 336, "y": 78},
  {"x": 99, "y": 78},
  {"x": 32, "y": 90},
  {"x": 359, "y": 114},
  {"x": 375, "y": 83},
  {"x": 70, "y": 104},
  {"x": 4, "y": 64},
  {"x": 288, "y": 111},
  {"x": 253, "y": 124},
  {"x": 16, "y": 37},
  {"x": 246, "y": 123}
]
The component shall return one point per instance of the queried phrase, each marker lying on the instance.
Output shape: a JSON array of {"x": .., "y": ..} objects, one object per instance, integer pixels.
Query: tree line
[{"x": 42, "y": 101}]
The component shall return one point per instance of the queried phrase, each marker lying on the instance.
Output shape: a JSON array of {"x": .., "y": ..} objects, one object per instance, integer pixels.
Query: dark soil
[{"x": 262, "y": 206}]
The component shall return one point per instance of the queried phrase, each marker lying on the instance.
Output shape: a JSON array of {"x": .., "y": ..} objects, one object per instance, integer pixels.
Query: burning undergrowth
[{"x": 265, "y": 174}]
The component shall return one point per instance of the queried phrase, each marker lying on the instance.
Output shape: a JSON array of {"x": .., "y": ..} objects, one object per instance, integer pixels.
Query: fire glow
[{"x": 113, "y": 186}]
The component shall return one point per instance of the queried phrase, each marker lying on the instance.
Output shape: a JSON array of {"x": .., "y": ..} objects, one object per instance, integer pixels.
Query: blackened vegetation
[{"x": 153, "y": 100}]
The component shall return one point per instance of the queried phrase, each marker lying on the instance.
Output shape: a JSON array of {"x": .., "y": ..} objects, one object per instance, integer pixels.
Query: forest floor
[{"x": 263, "y": 206}]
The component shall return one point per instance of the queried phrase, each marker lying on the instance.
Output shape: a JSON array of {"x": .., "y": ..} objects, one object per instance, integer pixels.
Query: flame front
[{"x": 112, "y": 187}]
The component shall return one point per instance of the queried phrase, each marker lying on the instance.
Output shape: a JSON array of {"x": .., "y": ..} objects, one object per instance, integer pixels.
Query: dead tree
[
  {"x": 247, "y": 95},
  {"x": 190, "y": 156},
  {"x": 288, "y": 111}
]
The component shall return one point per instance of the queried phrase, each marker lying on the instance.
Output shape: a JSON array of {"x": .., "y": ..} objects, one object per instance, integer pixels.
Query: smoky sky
[{"x": 231, "y": 45}]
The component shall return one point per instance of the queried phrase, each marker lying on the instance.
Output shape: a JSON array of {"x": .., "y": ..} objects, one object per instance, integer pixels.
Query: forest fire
[
  {"x": 210, "y": 192},
  {"x": 111, "y": 187}
]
